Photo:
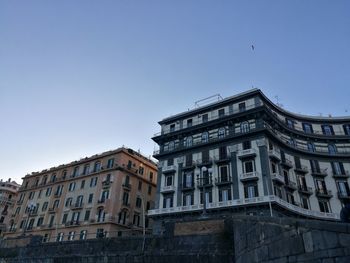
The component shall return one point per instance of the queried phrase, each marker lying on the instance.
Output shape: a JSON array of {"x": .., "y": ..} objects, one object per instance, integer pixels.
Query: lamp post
[{"x": 205, "y": 181}]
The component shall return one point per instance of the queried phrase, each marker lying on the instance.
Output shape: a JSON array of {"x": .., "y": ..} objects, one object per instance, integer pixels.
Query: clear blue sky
[{"x": 82, "y": 77}]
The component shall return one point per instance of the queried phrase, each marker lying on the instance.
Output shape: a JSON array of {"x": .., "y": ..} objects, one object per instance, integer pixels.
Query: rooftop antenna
[{"x": 210, "y": 99}]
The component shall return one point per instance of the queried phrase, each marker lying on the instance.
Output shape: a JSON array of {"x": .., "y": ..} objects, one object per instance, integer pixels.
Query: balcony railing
[
  {"x": 205, "y": 181},
  {"x": 167, "y": 189},
  {"x": 242, "y": 202},
  {"x": 246, "y": 153},
  {"x": 301, "y": 169},
  {"x": 343, "y": 195},
  {"x": 323, "y": 193},
  {"x": 319, "y": 172},
  {"x": 344, "y": 174},
  {"x": 275, "y": 154},
  {"x": 305, "y": 189},
  {"x": 188, "y": 186},
  {"x": 249, "y": 176},
  {"x": 277, "y": 177},
  {"x": 210, "y": 118},
  {"x": 169, "y": 169},
  {"x": 291, "y": 184},
  {"x": 77, "y": 206},
  {"x": 287, "y": 162},
  {"x": 127, "y": 185},
  {"x": 222, "y": 180}
]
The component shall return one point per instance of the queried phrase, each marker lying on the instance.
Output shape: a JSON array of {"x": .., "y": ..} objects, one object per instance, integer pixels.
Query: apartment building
[
  {"x": 104, "y": 195},
  {"x": 8, "y": 195},
  {"x": 245, "y": 154}
]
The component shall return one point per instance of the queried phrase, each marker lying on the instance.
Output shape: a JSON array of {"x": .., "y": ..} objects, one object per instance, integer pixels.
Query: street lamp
[{"x": 205, "y": 181}]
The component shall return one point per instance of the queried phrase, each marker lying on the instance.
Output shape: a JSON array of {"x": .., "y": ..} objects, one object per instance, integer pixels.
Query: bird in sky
[{"x": 253, "y": 47}]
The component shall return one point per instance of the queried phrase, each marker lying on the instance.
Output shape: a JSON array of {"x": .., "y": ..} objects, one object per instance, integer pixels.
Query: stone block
[
  {"x": 345, "y": 259},
  {"x": 344, "y": 240}
]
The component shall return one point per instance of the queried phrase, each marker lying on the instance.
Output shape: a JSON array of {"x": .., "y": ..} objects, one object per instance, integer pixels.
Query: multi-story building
[
  {"x": 244, "y": 153},
  {"x": 103, "y": 195},
  {"x": 8, "y": 195}
]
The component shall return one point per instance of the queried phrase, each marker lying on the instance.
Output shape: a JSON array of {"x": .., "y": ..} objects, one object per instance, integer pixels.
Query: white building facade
[{"x": 245, "y": 154}]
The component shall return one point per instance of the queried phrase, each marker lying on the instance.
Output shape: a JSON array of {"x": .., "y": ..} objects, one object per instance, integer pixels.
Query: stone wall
[{"x": 240, "y": 239}]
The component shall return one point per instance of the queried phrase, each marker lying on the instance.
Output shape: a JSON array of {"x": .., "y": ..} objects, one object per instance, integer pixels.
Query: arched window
[
  {"x": 245, "y": 127},
  {"x": 188, "y": 141},
  {"x": 205, "y": 137},
  {"x": 310, "y": 147},
  {"x": 332, "y": 149},
  {"x": 221, "y": 133}
]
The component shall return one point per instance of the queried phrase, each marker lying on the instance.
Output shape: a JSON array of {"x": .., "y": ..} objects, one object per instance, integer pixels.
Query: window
[
  {"x": 141, "y": 170},
  {"x": 221, "y": 113},
  {"x": 44, "y": 206},
  {"x": 75, "y": 217},
  {"x": 189, "y": 123},
  {"x": 140, "y": 186},
  {"x": 64, "y": 174},
  {"x": 86, "y": 169},
  {"x": 151, "y": 176},
  {"x": 138, "y": 202},
  {"x": 310, "y": 147},
  {"x": 304, "y": 202},
  {"x": 346, "y": 129},
  {"x": 188, "y": 141},
  {"x": 171, "y": 146},
  {"x": 241, "y": 106},
  {"x": 91, "y": 196},
  {"x": 168, "y": 180},
  {"x": 31, "y": 195},
  {"x": 321, "y": 186},
  {"x": 315, "y": 166},
  {"x": 292, "y": 142},
  {"x": 97, "y": 166},
  {"x": 245, "y": 127},
  {"x": 39, "y": 195},
  {"x": 122, "y": 217},
  {"x": 52, "y": 218},
  {"x": 221, "y": 133},
  {"x": 149, "y": 189},
  {"x": 101, "y": 214},
  {"x": 273, "y": 167},
  {"x": 307, "y": 127},
  {"x": 56, "y": 203},
  {"x": 53, "y": 178},
  {"x": 338, "y": 168},
  {"x": 82, "y": 184},
  {"x": 79, "y": 201},
  {"x": 205, "y": 137},
  {"x": 208, "y": 197},
  {"x": 71, "y": 187},
  {"x": 31, "y": 223},
  {"x": 110, "y": 163},
  {"x": 100, "y": 233},
  {"x": 71, "y": 236},
  {"x": 75, "y": 171},
  {"x": 251, "y": 191},
  {"x": 290, "y": 123},
  {"x": 343, "y": 188},
  {"x": 223, "y": 173},
  {"x": 172, "y": 127},
  {"x": 246, "y": 145},
  {"x": 83, "y": 234},
  {"x": 93, "y": 181},
  {"x": 136, "y": 220},
  {"x": 327, "y": 130},
  {"x": 40, "y": 221},
  {"x": 168, "y": 201},
  {"x": 224, "y": 195},
  {"x": 204, "y": 117},
  {"x": 60, "y": 237},
  {"x": 278, "y": 191},
  {"x": 104, "y": 196},
  {"x": 188, "y": 179},
  {"x": 87, "y": 215},
  {"x": 170, "y": 161},
  {"x": 68, "y": 202},
  {"x": 125, "y": 198},
  {"x": 332, "y": 149},
  {"x": 64, "y": 219},
  {"x": 248, "y": 166},
  {"x": 324, "y": 206},
  {"x": 187, "y": 199}
]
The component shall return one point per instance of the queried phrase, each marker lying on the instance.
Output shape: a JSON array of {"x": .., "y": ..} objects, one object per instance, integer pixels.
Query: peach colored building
[
  {"x": 103, "y": 195},
  {"x": 8, "y": 194}
]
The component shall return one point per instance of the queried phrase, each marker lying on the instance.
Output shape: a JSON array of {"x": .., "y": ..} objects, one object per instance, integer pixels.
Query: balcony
[
  {"x": 223, "y": 180},
  {"x": 167, "y": 189},
  {"x": 72, "y": 223},
  {"x": 323, "y": 193},
  {"x": 189, "y": 166},
  {"x": 107, "y": 183},
  {"x": 188, "y": 186},
  {"x": 277, "y": 178},
  {"x": 344, "y": 174},
  {"x": 246, "y": 153},
  {"x": 287, "y": 163},
  {"x": 343, "y": 195},
  {"x": 77, "y": 206},
  {"x": 249, "y": 176},
  {"x": 319, "y": 172},
  {"x": 275, "y": 154},
  {"x": 53, "y": 210},
  {"x": 204, "y": 162},
  {"x": 205, "y": 182},
  {"x": 224, "y": 158},
  {"x": 291, "y": 185},
  {"x": 127, "y": 186},
  {"x": 305, "y": 190},
  {"x": 169, "y": 169},
  {"x": 302, "y": 169}
]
